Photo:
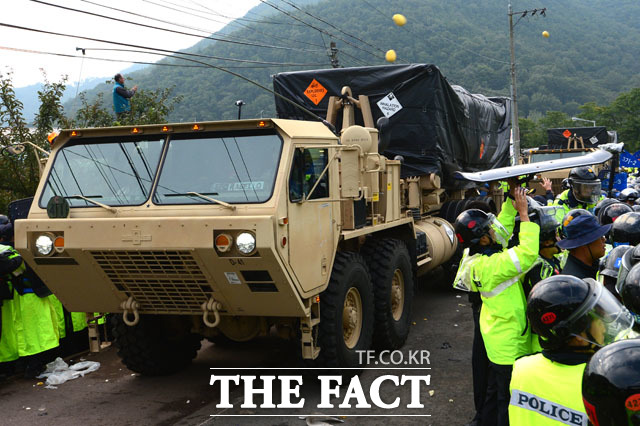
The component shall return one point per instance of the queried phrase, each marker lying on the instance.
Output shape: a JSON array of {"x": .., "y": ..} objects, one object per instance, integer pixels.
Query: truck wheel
[
  {"x": 157, "y": 345},
  {"x": 346, "y": 312},
  {"x": 392, "y": 278}
]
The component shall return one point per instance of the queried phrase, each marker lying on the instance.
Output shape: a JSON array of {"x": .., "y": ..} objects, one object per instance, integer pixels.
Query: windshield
[
  {"x": 230, "y": 167},
  {"x": 115, "y": 171}
]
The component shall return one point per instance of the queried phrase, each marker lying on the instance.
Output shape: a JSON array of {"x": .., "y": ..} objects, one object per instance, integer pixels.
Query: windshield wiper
[
  {"x": 97, "y": 203},
  {"x": 204, "y": 197}
]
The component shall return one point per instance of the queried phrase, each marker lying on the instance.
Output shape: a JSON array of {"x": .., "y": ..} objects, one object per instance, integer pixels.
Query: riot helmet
[
  {"x": 629, "y": 259},
  {"x": 545, "y": 217},
  {"x": 585, "y": 185},
  {"x": 6, "y": 228},
  {"x": 630, "y": 291},
  {"x": 610, "y": 213},
  {"x": 471, "y": 225},
  {"x": 562, "y": 307},
  {"x": 628, "y": 195},
  {"x": 571, "y": 214},
  {"x": 609, "y": 274},
  {"x": 611, "y": 385},
  {"x": 602, "y": 204},
  {"x": 626, "y": 229}
]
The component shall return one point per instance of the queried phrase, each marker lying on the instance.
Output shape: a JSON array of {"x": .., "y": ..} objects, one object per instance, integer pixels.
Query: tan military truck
[{"x": 234, "y": 228}]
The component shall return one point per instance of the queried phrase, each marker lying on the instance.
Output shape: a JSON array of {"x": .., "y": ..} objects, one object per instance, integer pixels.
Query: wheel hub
[
  {"x": 352, "y": 318},
  {"x": 397, "y": 295}
]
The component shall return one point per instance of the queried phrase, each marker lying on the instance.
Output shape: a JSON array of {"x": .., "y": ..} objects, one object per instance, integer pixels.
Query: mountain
[
  {"x": 592, "y": 54},
  {"x": 28, "y": 95}
]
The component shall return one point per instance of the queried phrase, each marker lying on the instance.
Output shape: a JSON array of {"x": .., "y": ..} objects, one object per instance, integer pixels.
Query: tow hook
[
  {"x": 211, "y": 306},
  {"x": 130, "y": 306}
]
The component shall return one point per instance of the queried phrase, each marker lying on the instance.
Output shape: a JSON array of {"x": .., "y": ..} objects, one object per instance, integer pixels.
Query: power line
[
  {"x": 160, "y": 64},
  {"x": 318, "y": 29},
  {"x": 181, "y": 25},
  {"x": 164, "y": 29},
  {"x": 235, "y": 74},
  {"x": 331, "y": 25},
  {"x": 218, "y": 14},
  {"x": 153, "y": 48}
]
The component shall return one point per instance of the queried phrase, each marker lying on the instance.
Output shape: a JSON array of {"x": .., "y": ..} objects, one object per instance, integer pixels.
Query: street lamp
[
  {"x": 582, "y": 119},
  {"x": 514, "y": 126},
  {"x": 239, "y": 104}
]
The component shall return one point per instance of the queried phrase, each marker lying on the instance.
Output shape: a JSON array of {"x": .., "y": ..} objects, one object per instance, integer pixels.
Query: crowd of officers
[
  {"x": 555, "y": 291},
  {"x": 35, "y": 327}
]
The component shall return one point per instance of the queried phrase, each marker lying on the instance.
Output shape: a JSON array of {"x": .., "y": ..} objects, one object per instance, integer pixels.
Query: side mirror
[{"x": 385, "y": 134}]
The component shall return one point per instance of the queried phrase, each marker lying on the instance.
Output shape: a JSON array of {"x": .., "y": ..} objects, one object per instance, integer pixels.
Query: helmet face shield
[
  {"x": 607, "y": 319},
  {"x": 498, "y": 232},
  {"x": 587, "y": 191}
]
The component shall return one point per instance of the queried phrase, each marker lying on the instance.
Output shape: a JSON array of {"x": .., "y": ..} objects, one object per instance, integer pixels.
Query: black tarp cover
[
  {"x": 440, "y": 129},
  {"x": 558, "y": 139}
]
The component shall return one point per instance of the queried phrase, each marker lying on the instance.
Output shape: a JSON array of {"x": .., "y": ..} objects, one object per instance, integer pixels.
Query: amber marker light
[
  {"x": 223, "y": 243},
  {"x": 167, "y": 129},
  {"x": 317, "y": 299},
  {"x": 262, "y": 123},
  {"x": 136, "y": 131},
  {"x": 75, "y": 134},
  {"x": 58, "y": 244},
  {"x": 196, "y": 127}
]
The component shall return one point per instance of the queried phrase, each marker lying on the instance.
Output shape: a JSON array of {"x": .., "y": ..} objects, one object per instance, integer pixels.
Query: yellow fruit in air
[
  {"x": 399, "y": 19},
  {"x": 390, "y": 56},
  {"x": 545, "y": 34}
]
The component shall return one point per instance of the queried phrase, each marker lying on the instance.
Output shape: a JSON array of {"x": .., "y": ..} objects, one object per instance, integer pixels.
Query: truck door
[{"x": 311, "y": 236}]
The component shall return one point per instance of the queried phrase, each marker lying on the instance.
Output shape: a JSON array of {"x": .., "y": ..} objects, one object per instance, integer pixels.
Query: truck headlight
[
  {"x": 246, "y": 243},
  {"x": 44, "y": 245}
]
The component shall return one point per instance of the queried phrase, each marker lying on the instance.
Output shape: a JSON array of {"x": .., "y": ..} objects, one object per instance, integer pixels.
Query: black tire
[
  {"x": 157, "y": 345},
  {"x": 390, "y": 266},
  {"x": 349, "y": 272}
]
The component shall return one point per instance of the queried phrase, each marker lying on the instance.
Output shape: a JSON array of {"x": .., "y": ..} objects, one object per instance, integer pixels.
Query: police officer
[
  {"x": 610, "y": 213},
  {"x": 608, "y": 275},
  {"x": 573, "y": 318},
  {"x": 626, "y": 230},
  {"x": 629, "y": 196},
  {"x": 586, "y": 244},
  {"x": 611, "y": 385},
  {"x": 496, "y": 274},
  {"x": 548, "y": 263},
  {"x": 584, "y": 191},
  {"x": 34, "y": 317}
]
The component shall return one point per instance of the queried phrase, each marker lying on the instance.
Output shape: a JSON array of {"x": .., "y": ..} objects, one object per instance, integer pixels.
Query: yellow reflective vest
[
  {"x": 544, "y": 392},
  {"x": 562, "y": 200},
  {"x": 498, "y": 279}
]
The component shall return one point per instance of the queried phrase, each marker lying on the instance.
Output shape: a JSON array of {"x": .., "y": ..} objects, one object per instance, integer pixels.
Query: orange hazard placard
[
  {"x": 566, "y": 133},
  {"x": 315, "y": 92}
]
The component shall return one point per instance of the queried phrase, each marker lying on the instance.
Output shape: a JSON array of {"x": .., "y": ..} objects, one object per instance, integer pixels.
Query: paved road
[{"x": 114, "y": 395}]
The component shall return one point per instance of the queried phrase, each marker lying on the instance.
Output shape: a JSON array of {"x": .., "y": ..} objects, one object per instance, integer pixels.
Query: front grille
[{"x": 160, "y": 281}]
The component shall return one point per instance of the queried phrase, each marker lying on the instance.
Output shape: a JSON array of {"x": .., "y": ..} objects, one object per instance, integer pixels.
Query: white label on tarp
[
  {"x": 232, "y": 277},
  {"x": 593, "y": 140},
  {"x": 389, "y": 105}
]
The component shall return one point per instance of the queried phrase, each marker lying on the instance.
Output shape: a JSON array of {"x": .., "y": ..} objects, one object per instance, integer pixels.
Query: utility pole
[
  {"x": 334, "y": 55},
  {"x": 515, "y": 128}
]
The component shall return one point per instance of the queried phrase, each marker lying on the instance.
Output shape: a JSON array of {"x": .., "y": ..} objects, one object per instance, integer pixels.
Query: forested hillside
[{"x": 592, "y": 54}]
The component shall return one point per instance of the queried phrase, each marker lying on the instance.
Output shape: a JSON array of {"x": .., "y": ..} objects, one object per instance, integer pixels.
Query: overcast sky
[{"x": 26, "y": 13}]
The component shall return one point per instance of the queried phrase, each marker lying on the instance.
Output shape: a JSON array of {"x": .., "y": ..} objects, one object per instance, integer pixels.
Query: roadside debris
[{"x": 58, "y": 371}]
